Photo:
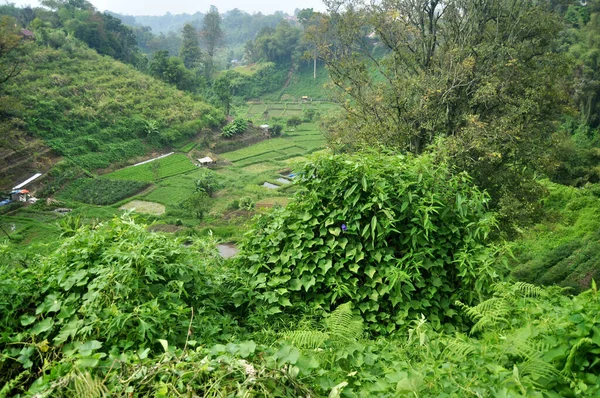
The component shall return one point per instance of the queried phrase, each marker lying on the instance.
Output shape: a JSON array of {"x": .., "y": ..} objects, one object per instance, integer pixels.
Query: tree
[
  {"x": 293, "y": 122},
  {"x": 479, "y": 75},
  {"x": 171, "y": 70},
  {"x": 208, "y": 182},
  {"x": 190, "y": 51},
  {"x": 12, "y": 48},
  {"x": 222, "y": 89},
  {"x": 198, "y": 203},
  {"x": 211, "y": 34}
]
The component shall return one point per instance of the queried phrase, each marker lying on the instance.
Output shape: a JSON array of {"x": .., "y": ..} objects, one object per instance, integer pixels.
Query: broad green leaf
[
  {"x": 164, "y": 344},
  {"x": 27, "y": 320},
  {"x": 370, "y": 271},
  {"x": 88, "y": 362},
  {"x": 86, "y": 348},
  {"x": 247, "y": 348},
  {"x": 43, "y": 326},
  {"x": 287, "y": 354}
]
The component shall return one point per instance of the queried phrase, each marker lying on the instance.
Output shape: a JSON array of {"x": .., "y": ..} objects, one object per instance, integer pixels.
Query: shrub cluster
[
  {"x": 399, "y": 236},
  {"x": 238, "y": 126}
]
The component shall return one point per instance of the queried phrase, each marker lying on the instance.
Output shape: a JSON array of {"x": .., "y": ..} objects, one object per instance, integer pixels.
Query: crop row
[{"x": 102, "y": 191}]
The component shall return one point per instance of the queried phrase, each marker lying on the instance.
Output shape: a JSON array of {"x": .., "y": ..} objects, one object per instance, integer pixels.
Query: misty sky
[{"x": 160, "y": 7}]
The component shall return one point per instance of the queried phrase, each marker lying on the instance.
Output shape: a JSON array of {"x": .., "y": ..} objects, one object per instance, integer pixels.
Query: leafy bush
[
  {"x": 238, "y": 126},
  {"x": 308, "y": 115},
  {"x": 246, "y": 203},
  {"x": 276, "y": 130},
  {"x": 113, "y": 286},
  {"x": 399, "y": 236}
]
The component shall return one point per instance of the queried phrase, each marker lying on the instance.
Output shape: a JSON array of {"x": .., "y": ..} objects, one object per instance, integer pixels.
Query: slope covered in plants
[{"x": 95, "y": 111}]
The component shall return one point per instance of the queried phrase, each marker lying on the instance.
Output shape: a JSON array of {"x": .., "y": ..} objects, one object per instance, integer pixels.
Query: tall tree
[
  {"x": 190, "y": 51},
  {"x": 211, "y": 34},
  {"x": 479, "y": 74},
  {"x": 12, "y": 46}
]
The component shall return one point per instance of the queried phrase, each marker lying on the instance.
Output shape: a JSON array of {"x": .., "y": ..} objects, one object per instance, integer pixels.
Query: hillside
[{"x": 93, "y": 111}]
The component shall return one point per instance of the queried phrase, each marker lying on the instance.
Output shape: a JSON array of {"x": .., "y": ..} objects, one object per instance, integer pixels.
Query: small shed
[
  {"x": 205, "y": 161},
  {"x": 304, "y": 98},
  {"x": 19, "y": 195},
  {"x": 27, "y": 34}
]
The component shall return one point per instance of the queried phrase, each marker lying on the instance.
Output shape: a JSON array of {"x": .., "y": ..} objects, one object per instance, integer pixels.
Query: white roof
[
  {"x": 264, "y": 126},
  {"x": 24, "y": 183},
  {"x": 205, "y": 160}
]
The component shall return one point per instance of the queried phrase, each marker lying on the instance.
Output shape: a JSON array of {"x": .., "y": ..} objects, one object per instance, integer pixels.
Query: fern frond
[
  {"x": 536, "y": 368},
  {"x": 573, "y": 352},
  {"x": 86, "y": 386},
  {"x": 459, "y": 349},
  {"x": 529, "y": 290},
  {"x": 488, "y": 314},
  {"x": 305, "y": 338},
  {"x": 342, "y": 323}
]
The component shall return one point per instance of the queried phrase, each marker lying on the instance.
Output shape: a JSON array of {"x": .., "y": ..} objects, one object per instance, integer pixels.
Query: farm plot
[
  {"x": 258, "y": 149},
  {"x": 156, "y": 170},
  {"x": 169, "y": 195},
  {"x": 102, "y": 191},
  {"x": 266, "y": 157}
]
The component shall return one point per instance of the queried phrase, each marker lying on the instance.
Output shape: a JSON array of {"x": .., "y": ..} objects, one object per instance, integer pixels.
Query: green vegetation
[
  {"x": 565, "y": 250},
  {"x": 119, "y": 309},
  {"x": 399, "y": 261},
  {"x": 156, "y": 170},
  {"x": 424, "y": 231},
  {"x": 238, "y": 126},
  {"x": 101, "y": 191}
]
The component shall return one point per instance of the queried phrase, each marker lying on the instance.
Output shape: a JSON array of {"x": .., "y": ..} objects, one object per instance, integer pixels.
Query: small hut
[
  {"x": 205, "y": 161},
  {"x": 19, "y": 195}
]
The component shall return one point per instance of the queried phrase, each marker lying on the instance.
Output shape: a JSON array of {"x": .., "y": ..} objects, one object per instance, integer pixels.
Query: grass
[
  {"x": 156, "y": 170},
  {"x": 169, "y": 195}
]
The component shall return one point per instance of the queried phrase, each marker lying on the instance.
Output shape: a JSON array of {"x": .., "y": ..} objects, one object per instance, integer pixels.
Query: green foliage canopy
[
  {"x": 396, "y": 235},
  {"x": 481, "y": 75}
]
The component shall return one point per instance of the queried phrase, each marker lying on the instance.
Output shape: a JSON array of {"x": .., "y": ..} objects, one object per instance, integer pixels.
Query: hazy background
[{"x": 161, "y": 7}]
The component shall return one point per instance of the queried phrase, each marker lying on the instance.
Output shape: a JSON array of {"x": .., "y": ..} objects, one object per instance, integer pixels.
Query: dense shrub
[
  {"x": 238, "y": 126},
  {"x": 276, "y": 130},
  {"x": 112, "y": 286},
  {"x": 398, "y": 236}
]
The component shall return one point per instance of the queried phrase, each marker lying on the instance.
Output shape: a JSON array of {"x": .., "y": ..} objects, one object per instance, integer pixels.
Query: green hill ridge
[{"x": 94, "y": 111}]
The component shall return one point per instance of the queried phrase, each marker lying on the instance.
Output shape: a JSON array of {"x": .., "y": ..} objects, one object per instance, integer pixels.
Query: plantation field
[
  {"x": 156, "y": 170},
  {"x": 101, "y": 191}
]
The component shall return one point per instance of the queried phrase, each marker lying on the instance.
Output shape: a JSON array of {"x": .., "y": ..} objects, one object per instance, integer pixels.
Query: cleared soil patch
[{"x": 144, "y": 207}]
